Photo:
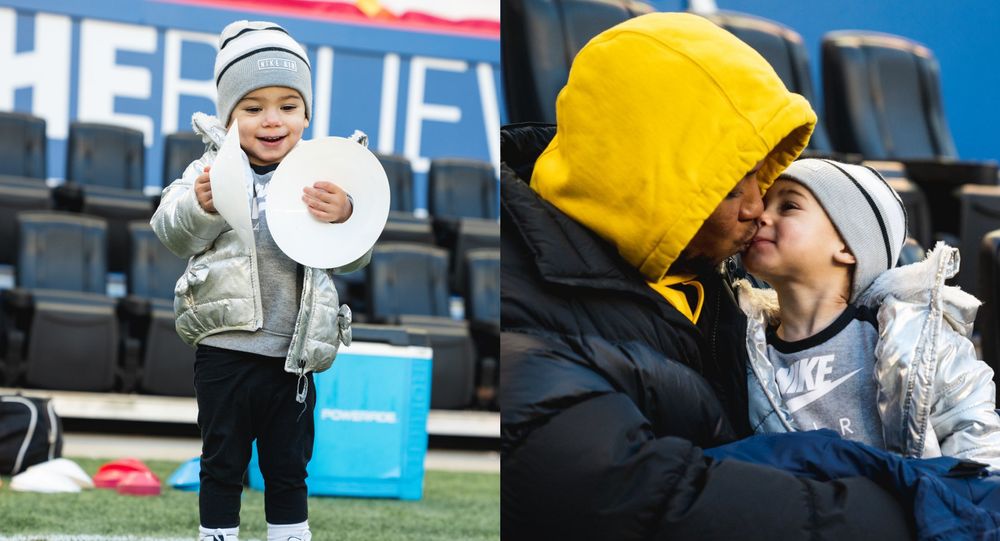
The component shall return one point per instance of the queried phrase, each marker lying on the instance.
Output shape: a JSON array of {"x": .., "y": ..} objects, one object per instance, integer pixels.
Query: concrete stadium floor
[{"x": 112, "y": 446}]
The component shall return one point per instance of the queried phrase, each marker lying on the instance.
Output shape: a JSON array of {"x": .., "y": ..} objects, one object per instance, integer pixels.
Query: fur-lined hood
[{"x": 919, "y": 283}]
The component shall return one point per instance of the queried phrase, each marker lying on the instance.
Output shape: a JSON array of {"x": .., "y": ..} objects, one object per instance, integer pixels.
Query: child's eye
[
  {"x": 289, "y": 107},
  {"x": 788, "y": 206},
  {"x": 252, "y": 109}
]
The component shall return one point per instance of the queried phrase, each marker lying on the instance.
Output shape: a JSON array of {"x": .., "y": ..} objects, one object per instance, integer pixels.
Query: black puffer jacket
[{"x": 605, "y": 402}]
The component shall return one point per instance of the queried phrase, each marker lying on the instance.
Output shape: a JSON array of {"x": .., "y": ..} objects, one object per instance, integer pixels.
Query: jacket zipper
[{"x": 29, "y": 434}]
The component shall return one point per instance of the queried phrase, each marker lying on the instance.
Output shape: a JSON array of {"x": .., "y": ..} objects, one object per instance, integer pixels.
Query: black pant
[{"x": 242, "y": 396}]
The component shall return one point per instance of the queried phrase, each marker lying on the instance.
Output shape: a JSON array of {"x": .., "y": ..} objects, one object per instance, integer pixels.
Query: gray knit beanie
[
  {"x": 256, "y": 54},
  {"x": 866, "y": 211}
]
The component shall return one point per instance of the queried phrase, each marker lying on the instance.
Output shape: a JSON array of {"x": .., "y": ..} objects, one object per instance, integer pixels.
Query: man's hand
[
  {"x": 327, "y": 202},
  {"x": 203, "y": 191}
]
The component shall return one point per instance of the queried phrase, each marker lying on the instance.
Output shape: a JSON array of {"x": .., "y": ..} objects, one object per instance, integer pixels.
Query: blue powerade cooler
[{"x": 371, "y": 422}]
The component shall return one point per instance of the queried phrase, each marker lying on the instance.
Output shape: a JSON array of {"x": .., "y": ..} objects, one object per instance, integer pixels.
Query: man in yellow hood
[{"x": 620, "y": 338}]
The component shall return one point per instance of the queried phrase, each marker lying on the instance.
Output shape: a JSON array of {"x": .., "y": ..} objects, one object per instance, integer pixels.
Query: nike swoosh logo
[{"x": 803, "y": 400}]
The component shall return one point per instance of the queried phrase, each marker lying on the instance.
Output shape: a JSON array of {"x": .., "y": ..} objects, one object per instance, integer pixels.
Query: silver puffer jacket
[
  {"x": 220, "y": 290},
  {"x": 934, "y": 396}
]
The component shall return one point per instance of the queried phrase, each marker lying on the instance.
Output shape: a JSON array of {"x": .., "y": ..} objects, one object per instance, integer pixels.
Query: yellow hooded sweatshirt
[{"x": 661, "y": 117}]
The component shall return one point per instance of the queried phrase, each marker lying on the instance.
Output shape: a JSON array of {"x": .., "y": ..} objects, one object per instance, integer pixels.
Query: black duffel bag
[{"x": 30, "y": 432}]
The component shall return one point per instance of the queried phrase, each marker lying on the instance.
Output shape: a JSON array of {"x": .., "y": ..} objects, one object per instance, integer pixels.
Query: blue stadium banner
[{"x": 420, "y": 84}]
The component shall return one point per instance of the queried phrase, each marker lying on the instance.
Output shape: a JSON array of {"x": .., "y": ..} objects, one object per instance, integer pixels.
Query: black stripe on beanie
[
  {"x": 245, "y": 30},
  {"x": 899, "y": 199},
  {"x": 255, "y": 51},
  {"x": 878, "y": 215}
]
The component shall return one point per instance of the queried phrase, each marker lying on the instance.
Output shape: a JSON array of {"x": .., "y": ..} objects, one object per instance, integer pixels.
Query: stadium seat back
[
  {"x": 918, "y": 215},
  {"x": 482, "y": 300},
  {"x": 407, "y": 279},
  {"x": 912, "y": 252},
  {"x": 18, "y": 194},
  {"x": 989, "y": 293},
  {"x": 179, "y": 150},
  {"x": 106, "y": 155},
  {"x": 167, "y": 362},
  {"x": 462, "y": 188},
  {"x": 153, "y": 268},
  {"x": 405, "y": 227},
  {"x": 980, "y": 214},
  {"x": 882, "y": 96},
  {"x": 64, "y": 251},
  {"x": 473, "y": 233},
  {"x": 539, "y": 41},
  {"x": 400, "y": 174},
  {"x": 22, "y": 153},
  {"x": 454, "y": 366},
  {"x": 73, "y": 343}
]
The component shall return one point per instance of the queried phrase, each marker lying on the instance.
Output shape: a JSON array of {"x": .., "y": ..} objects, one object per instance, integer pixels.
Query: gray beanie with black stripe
[
  {"x": 257, "y": 54},
  {"x": 866, "y": 211}
]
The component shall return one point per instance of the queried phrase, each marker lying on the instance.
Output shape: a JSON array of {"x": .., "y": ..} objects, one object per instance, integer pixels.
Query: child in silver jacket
[{"x": 848, "y": 342}]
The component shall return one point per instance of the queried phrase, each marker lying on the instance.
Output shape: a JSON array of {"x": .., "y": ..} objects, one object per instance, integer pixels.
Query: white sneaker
[
  {"x": 289, "y": 532},
  {"x": 218, "y": 536}
]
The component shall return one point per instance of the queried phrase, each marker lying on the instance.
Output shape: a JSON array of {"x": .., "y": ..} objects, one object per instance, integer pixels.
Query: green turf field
[{"x": 455, "y": 506}]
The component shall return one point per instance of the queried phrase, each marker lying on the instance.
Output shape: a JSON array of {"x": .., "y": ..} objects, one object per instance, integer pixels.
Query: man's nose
[{"x": 753, "y": 204}]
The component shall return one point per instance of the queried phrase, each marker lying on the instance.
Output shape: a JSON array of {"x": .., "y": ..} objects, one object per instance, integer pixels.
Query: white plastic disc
[
  {"x": 308, "y": 240},
  {"x": 229, "y": 185}
]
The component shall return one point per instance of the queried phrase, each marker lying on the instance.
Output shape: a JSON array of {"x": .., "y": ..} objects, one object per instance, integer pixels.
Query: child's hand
[
  {"x": 203, "y": 191},
  {"x": 327, "y": 202}
]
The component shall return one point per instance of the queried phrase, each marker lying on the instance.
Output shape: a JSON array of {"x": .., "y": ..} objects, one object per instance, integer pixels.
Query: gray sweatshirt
[{"x": 281, "y": 285}]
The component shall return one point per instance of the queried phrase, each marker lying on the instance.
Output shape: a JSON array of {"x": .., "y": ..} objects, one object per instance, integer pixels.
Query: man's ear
[{"x": 844, "y": 256}]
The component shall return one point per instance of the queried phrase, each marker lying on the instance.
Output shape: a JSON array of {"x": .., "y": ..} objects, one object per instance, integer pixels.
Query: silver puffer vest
[
  {"x": 220, "y": 290},
  {"x": 935, "y": 397}
]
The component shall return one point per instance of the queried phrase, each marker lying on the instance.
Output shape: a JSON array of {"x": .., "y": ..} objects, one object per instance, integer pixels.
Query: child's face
[
  {"x": 272, "y": 120},
  {"x": 796, "y": 240}
]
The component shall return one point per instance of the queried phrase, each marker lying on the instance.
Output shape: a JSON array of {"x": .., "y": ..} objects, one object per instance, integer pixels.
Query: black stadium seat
[
  {"x": 912, "y": 252},
  {"x": 60, "y": 250},
  {"x": 105, "y": 173},
  {"x": 473, "y": 233},
  {"x": 62, "y": 331},
  {"x": 482, "y": 311},
  {"x": 989, "y": 293},
  {"x": 453, "y": 374},
  {"x": 784, "y": 49},
  {"x": 918, "y": 214},
  {"x": 980, "y": 214},
  {"x": 408, "y": 285},
  {"x": 540, "y": 38},
  {"x": 400, "y": 174},
  {"x": 22, "y": 175},
  {"x": 18, "y": 194},
  {"x": 405, "y": 227},
  {"x": 883, "y": 100},
  {"x": 459, "y": 188},
  {"x": 22, "y": 153},
  {"x": 106, "y": 155},
  {"x": 406, "y": 278},
  {"x": 167, "y": 363},
  {"x": 179, "y": 150},
  {"x": 882, "y": 96}
]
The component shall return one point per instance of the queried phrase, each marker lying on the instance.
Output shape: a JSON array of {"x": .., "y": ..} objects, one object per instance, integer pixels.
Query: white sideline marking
[{"x": 70, "y": 537}]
